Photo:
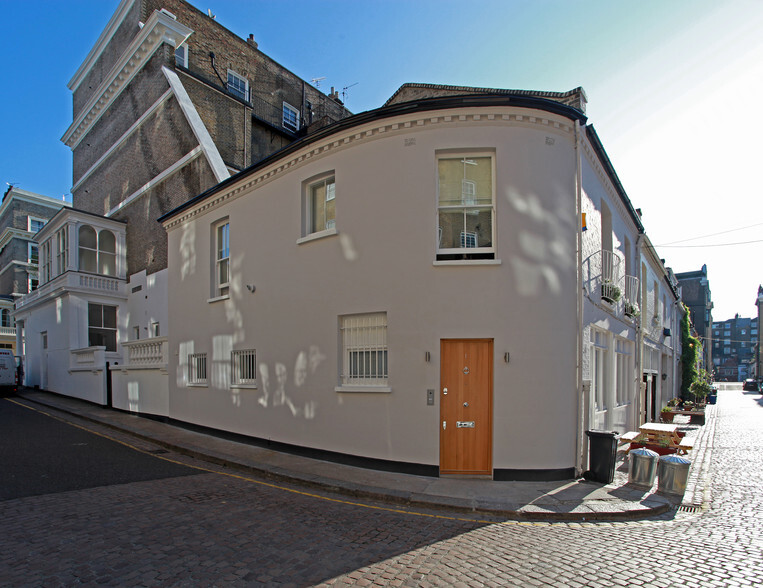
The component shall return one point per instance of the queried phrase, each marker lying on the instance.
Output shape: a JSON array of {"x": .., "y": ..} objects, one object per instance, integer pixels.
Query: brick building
[
  {"x": 734, "y": 344},
  {"x": 167, "y": 104},
  {"x": 695, "y": 293},
  {"x": 22, "y": 214}
]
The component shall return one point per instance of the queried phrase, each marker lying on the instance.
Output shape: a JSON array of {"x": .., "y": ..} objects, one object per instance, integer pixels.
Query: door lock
[
  {"x": 443, "y": 425},
  {"x": 445, "y": 391},
  {"x": 466, "y": 404}
]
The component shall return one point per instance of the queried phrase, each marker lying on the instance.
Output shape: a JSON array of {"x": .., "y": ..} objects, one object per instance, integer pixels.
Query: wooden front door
[{"x": 466, "y": 406}]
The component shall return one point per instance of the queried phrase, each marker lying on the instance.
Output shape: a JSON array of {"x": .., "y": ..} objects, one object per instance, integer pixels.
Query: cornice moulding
[
  {"x": 400, "y": 125},
  {"x": 160, "y": 28}
]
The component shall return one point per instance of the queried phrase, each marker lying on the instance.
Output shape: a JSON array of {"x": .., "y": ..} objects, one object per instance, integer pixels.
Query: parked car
[{"x": 750, "y": 384}]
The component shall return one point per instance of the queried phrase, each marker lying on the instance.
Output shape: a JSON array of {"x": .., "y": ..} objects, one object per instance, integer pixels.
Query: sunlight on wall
[
  {"x": 544, "y": 251},
  {"x": 59, "y": 310},
  {"x": 184, "y": 349},
  {"x": 187, "y": 250},
  {"x": 133, "y": 396},
  {"x": 348, "y": 249},
  {"x": 279, "y": 394},
  {"x": 221, "y": 348}
]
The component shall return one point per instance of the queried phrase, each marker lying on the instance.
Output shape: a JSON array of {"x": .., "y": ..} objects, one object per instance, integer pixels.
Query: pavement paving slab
[{"x": 571, "y": 500}]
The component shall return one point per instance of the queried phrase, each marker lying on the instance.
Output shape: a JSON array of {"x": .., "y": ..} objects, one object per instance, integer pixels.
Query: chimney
[{"x": 251, "y": 41}]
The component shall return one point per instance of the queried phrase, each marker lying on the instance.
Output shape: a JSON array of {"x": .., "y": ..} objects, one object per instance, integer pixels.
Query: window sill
[
  {"x": 370, "y": 389},
  {"x": 218, "y": 298},
  {"x": 467, "y": 262},
  {"x": 243, "y": 386},
  {"x": 200, "y": 385},
  {"x": 316, "y": 236}
]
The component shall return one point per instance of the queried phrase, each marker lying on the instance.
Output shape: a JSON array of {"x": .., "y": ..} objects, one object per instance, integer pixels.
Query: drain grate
[{"x": 688, "y": 508}]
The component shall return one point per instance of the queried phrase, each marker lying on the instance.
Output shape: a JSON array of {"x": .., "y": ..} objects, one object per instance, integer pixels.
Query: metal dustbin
[
  {"x": 643, "y": 466},
  {"x": 601, "y": 457},
  {"x": 672, "y": 474}
]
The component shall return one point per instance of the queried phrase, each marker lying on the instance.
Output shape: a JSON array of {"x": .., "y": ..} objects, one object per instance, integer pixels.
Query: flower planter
[
  {"x": 659, "y": 449},
  {"x": 666, "y": 417}
]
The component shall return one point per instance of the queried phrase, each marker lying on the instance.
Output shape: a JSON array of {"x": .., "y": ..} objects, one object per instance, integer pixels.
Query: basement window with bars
[
  {"x": 197, "y": 369},
  {"x": 243, "y": 367},
  {"x": 364, "y": 353}
]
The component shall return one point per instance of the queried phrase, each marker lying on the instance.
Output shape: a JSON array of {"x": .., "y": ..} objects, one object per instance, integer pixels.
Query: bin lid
[
  {"x": 645, "y": 452},
  {"x": 595, "y": 433},
  {"x": 675, "y": 459}
]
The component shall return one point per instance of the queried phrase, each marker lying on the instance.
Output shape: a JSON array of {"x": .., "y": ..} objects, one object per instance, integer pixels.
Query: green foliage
[
  {"x": 701, "y": 386},
  {"x": 691, "y": 352}
]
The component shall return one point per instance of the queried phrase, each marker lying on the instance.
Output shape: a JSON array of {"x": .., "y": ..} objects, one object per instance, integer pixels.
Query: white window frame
[
  {"x": 197, "y": 369},
  {"x": 31, "y": 219},
  {"x": 62, "y": 250},
  {"x": 234, "y": 80},
  {"x": 101, "y": 327},
  {"x": 181, "y": 56},
  {"x": 290, "y": 117},
  {"x": 470, "y": 247},
  {"x": 309, "y": 187},
  {"x": 600, "y": 375},
  {"x": 243, "y": 366},
  {"x": 364, "y": 352},
  {"x": 220, "y": 259},
  {"x": 623, "y": 367}
]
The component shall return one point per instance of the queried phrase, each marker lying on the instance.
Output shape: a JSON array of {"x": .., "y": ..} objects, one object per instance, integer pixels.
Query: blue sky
[{"x": 674, "y": 92}]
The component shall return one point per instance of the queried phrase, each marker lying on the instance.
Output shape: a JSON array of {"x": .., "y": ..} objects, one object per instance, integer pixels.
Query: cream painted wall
[{"x": 383, "y": 260}]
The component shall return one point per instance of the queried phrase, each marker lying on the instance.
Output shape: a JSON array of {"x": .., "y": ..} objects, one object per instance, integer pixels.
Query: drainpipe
[
  {"x": 639, "y": 334},
  {"x": 579, "y": 394}
]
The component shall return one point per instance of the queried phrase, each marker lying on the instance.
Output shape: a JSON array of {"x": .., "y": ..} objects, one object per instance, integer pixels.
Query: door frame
[{"x": 489, "y": 436}]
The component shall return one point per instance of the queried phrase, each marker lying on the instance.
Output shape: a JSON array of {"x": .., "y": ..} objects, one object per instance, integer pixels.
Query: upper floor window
[
  {"x": 45, "y": 268},
  {"x": 97, "y": 251},
  {"x": 238, "y": 85},
  {"x": 290, "y": 117},
  {"x": 181, "y": 56},
  {"x": 222, "y": 258},
  {"x": 62, "y": 250},
  {"x": 7, "y": 319},
  {"x": 35, "y": 224},
  {"x": 320, "y": 205},
  {"x": 465, "y": 206}
]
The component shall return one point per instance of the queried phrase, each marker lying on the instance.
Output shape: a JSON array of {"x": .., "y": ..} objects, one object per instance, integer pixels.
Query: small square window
[
  {"x": 35, "y": 224},
  {"x": 364, "y": 349},
  {"x": 290, "y": 117},
  {"x": 238, "y": 85},
  {"x": 197, "y": 368},
  {"x": 243, "y": 367}
]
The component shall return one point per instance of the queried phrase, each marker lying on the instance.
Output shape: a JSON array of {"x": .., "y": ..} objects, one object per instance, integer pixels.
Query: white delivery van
[{"x": 7, "y": 371}]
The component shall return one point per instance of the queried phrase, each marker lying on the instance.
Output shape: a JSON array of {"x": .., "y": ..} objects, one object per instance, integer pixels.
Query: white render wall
[{"x": 383, "y": 260}]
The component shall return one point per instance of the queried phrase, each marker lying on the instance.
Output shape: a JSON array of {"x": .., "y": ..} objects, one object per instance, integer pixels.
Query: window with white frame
[
  {"x": 154, "y": 329},
  {"x": 45, "y": 263},
  {"x": 243, "y": 367},
  {"x": 197, "y": 368},
  {"x": 465, "y": 206},
  {"x": 7, "y": 320},
  {"x": 97, "y": 251},
  {"x": 238, "y": 85},
  {"x": 364, "y": 349},
  {"x": 181, "y": 55},
  {"x": 62, "y": 250},
  {"x": 622, "y": 365},
  {"x": 221, "y": 237},
  {"x": 35, "y": 224},
  {"x": 599, "y": 371},
  {"x": 320, "y": 205},
  {"x": 33, "y": 271},
  {"x": 102, "y": 325},
  {"x": 290, "y": 117}
]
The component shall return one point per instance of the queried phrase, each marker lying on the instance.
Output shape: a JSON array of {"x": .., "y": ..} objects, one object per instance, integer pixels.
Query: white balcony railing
[
  {"x": 87, "y": 358},
  {"x": 7, "y": 331},
  {"x": 146, "y": 354},
  {"x": 631, "y": 296},
  {"x": 76, "y": 281},
  {"x": 610, "y": 276}
]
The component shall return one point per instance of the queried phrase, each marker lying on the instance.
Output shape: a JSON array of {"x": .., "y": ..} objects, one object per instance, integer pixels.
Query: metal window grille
[
  {"x": 243, "y": 366},
  {"x": 364, "y": 343},
  {"x": 197, "y": 368}
]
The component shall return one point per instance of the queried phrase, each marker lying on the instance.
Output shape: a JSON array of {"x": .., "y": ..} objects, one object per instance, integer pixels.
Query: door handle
[
  {"x": 443, "y": 425},
  {"x": 445, "y": 391},
  {"x": 466, "y": 404}
]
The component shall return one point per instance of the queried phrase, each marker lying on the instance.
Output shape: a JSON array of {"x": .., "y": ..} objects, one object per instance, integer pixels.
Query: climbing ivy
[{"x": 691, "y": 351}]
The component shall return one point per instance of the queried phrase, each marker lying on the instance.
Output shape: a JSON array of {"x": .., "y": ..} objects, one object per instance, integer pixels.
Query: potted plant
[
  {"x": 666, "y": 414},
  {"x": 632, "y": 310},
  {"x": 610, "y": 292}
]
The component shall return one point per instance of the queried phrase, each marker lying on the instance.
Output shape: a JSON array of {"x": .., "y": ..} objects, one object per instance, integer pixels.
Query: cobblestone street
[{"x": 213, "y": 529}]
